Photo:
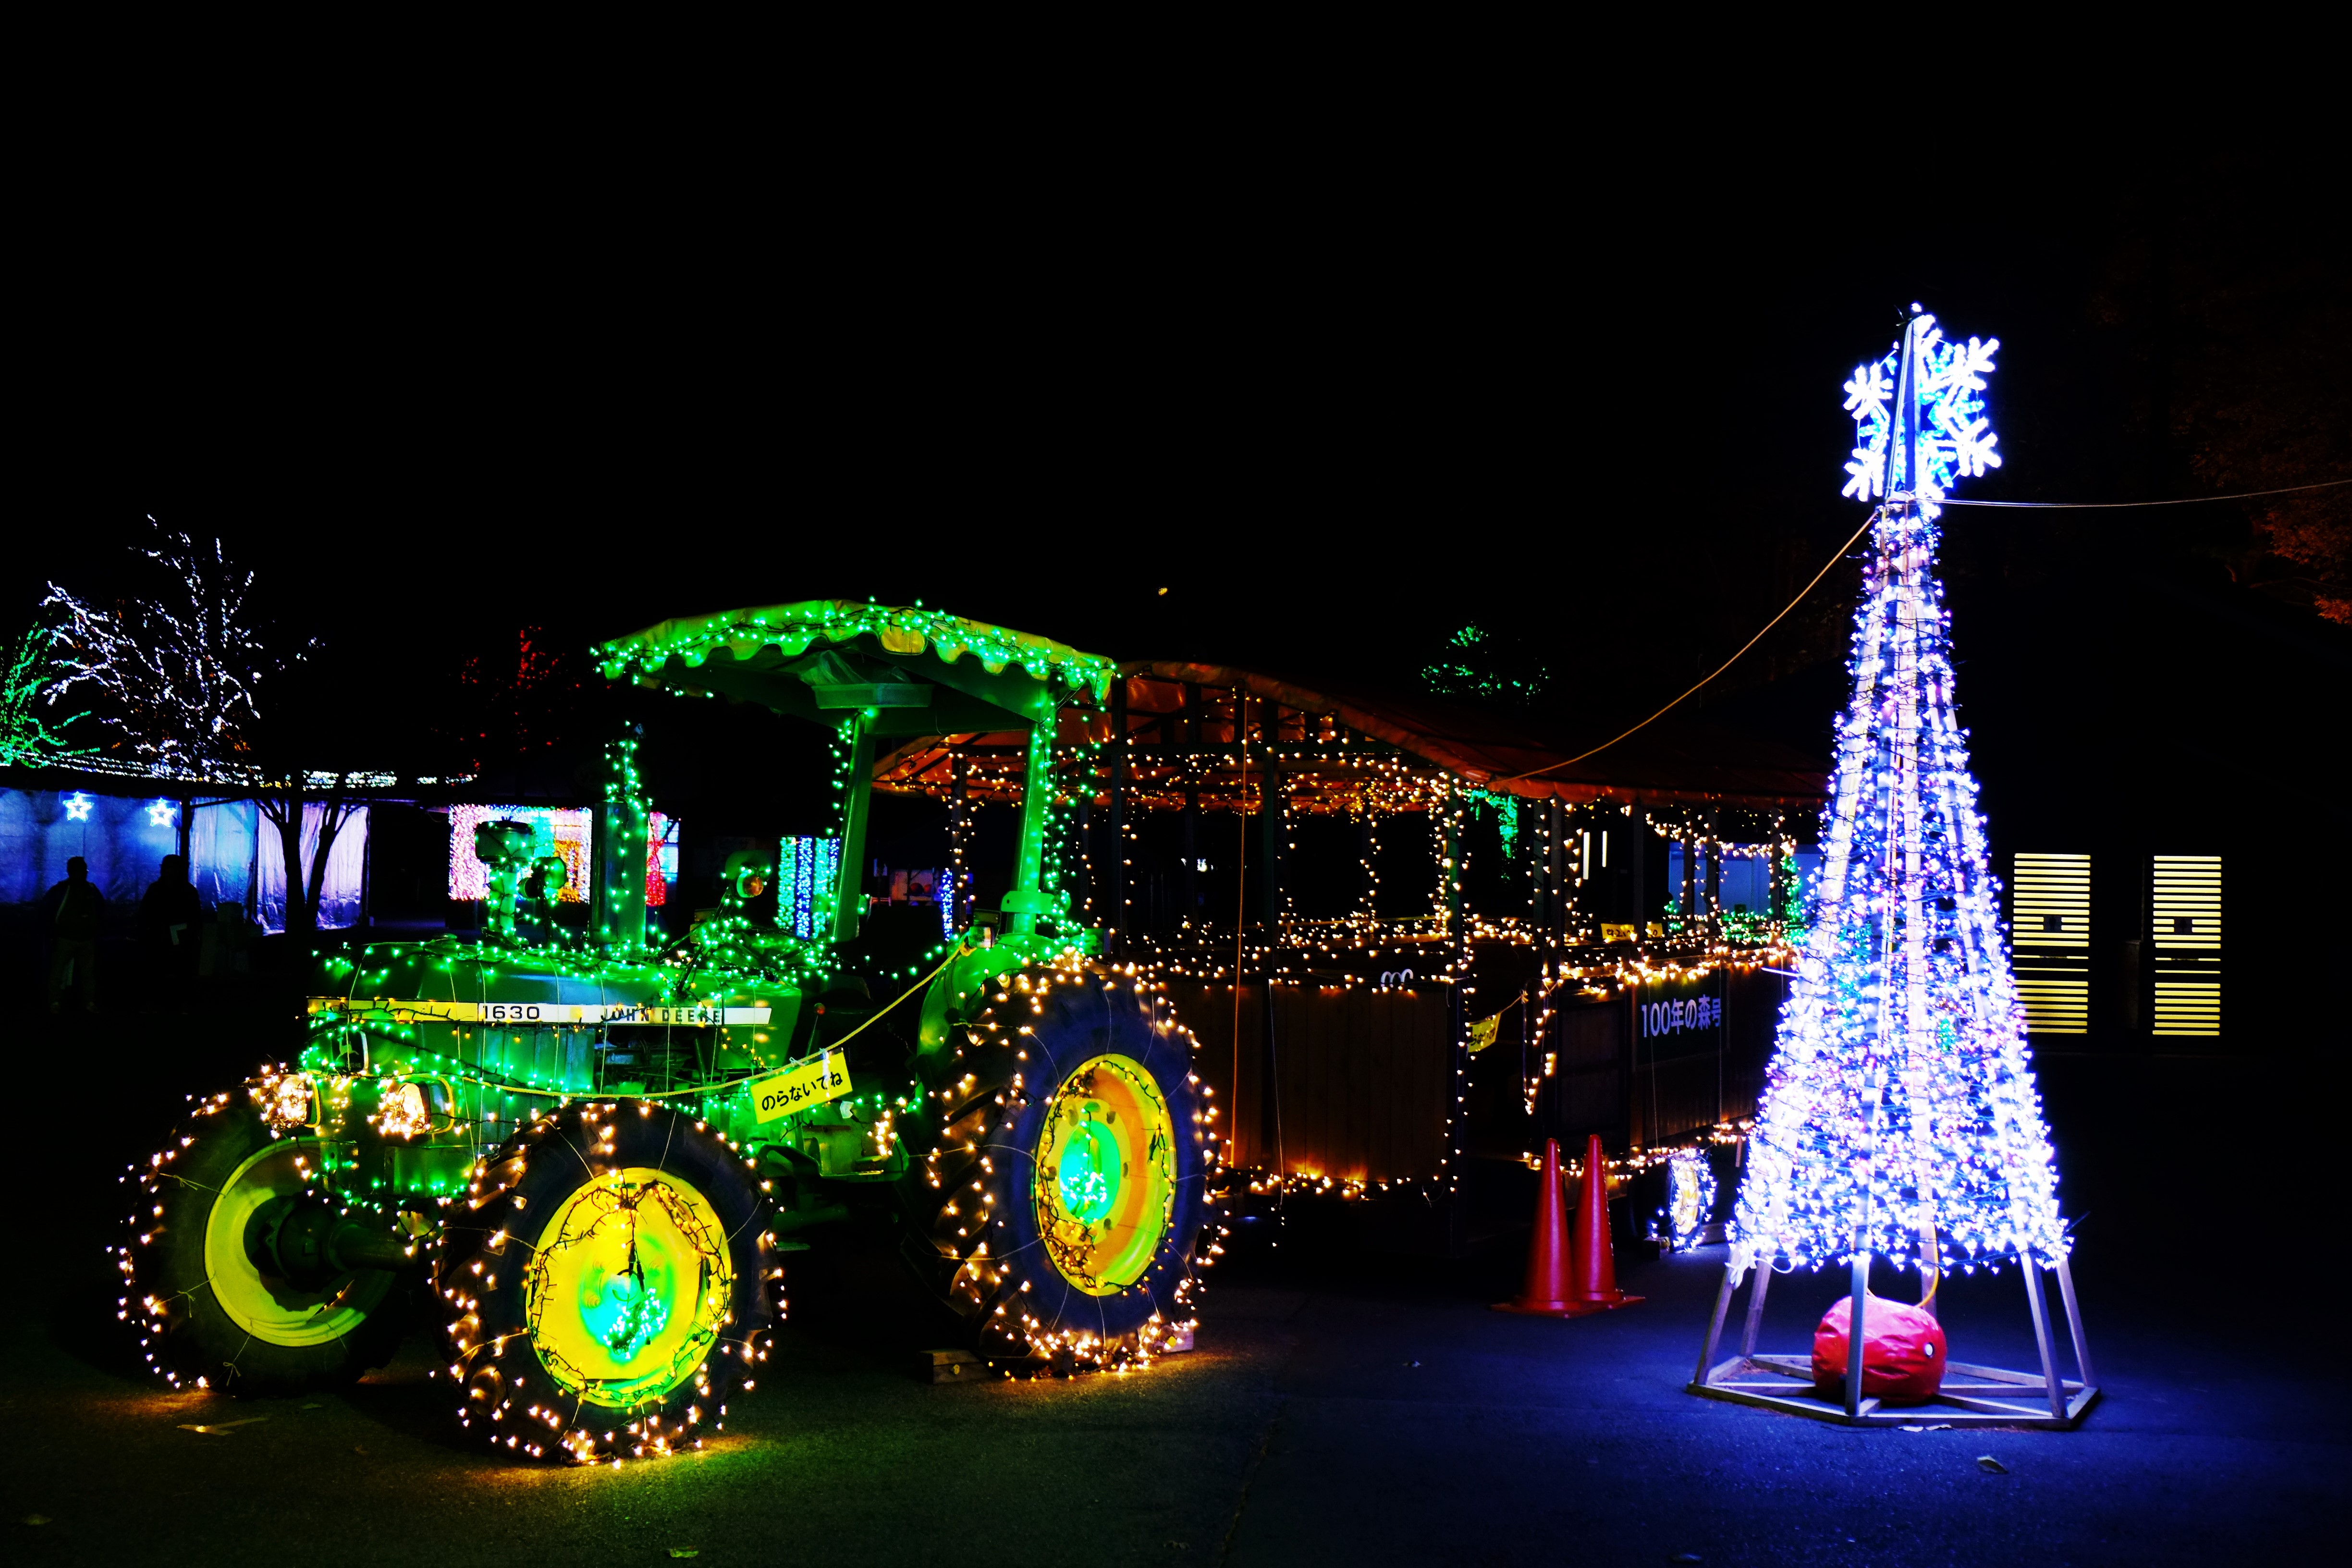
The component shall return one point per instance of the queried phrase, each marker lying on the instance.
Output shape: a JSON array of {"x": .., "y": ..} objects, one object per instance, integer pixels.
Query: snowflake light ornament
[{"x": 1954, "y": 438}]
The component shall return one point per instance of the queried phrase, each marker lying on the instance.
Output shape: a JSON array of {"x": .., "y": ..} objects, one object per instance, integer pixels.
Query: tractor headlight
[
  {"x": 402, "y": 1112},
  {"x": 285, "y": 1102}
]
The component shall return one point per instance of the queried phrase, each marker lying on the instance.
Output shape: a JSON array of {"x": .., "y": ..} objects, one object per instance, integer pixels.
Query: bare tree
[
  {"x": 179, "y": 678},
  {"x": 285, "y": 806},
  {"x": 176, "y": 673}
]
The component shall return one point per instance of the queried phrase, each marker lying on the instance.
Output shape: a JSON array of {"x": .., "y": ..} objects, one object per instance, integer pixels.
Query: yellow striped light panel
[
  {"x": 2184, "y": 911},
  {"x": 2185, "y": 902},
  {"x": 2050, "y": 937},
  {"x": 2055, "y": 1007},
  {"x": 2188, "y": 1007},
  {"x": 2050, "y": 901}
]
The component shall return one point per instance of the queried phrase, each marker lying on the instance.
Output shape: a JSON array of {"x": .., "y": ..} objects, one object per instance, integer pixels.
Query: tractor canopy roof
[{"x": 912, "y": 670}]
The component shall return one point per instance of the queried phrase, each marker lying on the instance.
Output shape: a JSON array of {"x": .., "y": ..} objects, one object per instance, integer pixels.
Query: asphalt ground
[{"x": 1343, "y": 1406}]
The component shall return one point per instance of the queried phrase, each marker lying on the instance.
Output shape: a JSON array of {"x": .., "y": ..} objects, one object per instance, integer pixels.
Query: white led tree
[
  {"x": 177, "y": 677},
  {"x": 1900, "y": 1118},
  {"x": 175, "y": 673}
]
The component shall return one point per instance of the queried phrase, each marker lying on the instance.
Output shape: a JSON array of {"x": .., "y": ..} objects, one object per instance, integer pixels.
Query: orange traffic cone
[
  {"x": 1592, "y": 1286},
  {"x": 1546, "y": 1293}
]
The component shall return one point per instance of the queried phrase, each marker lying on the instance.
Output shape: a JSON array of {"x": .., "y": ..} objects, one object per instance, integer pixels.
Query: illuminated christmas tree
[{"x": 1900, "y": 1116}]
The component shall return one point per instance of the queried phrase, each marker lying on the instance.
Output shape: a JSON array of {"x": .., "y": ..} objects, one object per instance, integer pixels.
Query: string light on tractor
[
  {"x": 242, "y": 1266},
  {"x": 621, "y": 1324},
  {"x": 1900, "y": 1118},
  {"x": 1112, "y": 1199},
  {"x": 287, "y": 1100},
  {"x": 402, "y": 1112}
]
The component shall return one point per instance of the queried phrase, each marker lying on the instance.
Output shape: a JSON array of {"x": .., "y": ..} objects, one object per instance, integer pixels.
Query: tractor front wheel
[
  {"x": 606, "y": 1285},
  {"x": 213, "y": 1276}
]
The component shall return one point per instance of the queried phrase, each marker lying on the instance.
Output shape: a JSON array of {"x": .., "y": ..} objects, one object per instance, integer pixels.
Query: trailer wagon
[{"x": 1412, "y": 938}]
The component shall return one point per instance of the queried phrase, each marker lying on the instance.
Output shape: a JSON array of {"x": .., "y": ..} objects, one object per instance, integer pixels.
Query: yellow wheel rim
[
  {"x": 1105, "y": 1184},
  {"x": 628, "y": 1288},
  {"x": 264, "y": 1305}
]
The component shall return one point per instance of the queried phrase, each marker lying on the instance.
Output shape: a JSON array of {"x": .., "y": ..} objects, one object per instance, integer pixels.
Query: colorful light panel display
[
  {"x": 661, "y": 859},
  {"x": 807, "y": 872},
  {"x": 565, "y": 831}
]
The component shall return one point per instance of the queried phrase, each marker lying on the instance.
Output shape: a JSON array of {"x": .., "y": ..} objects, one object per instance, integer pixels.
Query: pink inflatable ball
[{"x": 1903, "y": 1351}]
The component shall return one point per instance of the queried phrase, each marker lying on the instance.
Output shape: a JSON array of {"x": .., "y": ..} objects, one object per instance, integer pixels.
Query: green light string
[{"x": 792, "y": 629}]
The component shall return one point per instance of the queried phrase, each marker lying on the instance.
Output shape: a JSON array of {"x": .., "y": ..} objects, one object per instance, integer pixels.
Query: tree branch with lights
[{"x": 28, "y": 736}]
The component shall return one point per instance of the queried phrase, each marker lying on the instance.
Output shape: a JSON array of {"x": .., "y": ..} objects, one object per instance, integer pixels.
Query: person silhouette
[
  {"x": 77, "y": 907},
  {"x": 169, "y": 938}
]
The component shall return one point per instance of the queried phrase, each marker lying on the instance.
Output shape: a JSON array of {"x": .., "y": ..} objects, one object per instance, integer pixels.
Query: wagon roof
[
  {"x": 1320, "y": 734},
  {"x": 1685, "y": 761}
]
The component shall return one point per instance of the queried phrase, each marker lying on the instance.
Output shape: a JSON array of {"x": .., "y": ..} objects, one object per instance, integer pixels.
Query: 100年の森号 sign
[
  {"x": 801, "y": 1086},
  {"x": 1679, "y": 1017}
]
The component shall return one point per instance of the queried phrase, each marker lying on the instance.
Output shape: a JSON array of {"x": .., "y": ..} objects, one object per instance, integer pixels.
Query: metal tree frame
[{"x": 1984, "y": 1395}]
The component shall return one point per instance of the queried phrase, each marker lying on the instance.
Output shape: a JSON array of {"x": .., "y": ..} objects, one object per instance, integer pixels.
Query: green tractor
[{"x": 599, "y": 1152}]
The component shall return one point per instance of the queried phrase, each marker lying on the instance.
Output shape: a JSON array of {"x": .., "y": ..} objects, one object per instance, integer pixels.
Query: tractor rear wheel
[
  {"x": 606, "y": 1285},
  {"x": 218, "y": 1307},
  {"x": 1063, "y": 1195}
]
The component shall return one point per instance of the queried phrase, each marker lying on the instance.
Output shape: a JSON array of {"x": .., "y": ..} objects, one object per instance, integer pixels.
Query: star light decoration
[
  {"x": 78, "y": 806},
  {"x": 1954, "y": 439},
  {"x": 162, "y": 813},
  {"x": 1900, "y": 1115}
]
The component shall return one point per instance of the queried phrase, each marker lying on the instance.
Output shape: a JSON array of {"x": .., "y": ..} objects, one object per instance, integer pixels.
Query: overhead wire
[
  {"x": 2121, "y": 505},
  {"x": 1947, "y": 501},
  {"x": 1719, "y": 669}
]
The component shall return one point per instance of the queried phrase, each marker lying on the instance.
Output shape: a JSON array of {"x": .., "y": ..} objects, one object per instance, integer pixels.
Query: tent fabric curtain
[
  {"x": 339, "y": 894},
  {"x": 220, "y": 851}
]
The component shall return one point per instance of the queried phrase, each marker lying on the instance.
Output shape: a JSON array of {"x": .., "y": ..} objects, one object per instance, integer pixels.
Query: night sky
[{"x": 1338, "y": 407}]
